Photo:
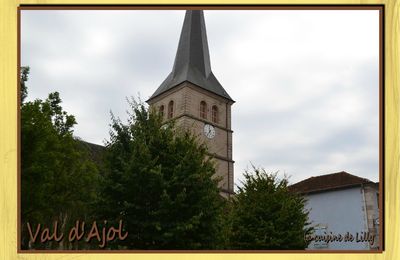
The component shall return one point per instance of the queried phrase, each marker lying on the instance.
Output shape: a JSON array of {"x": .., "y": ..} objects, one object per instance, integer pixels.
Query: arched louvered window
[
  {"x": 161, "y": 111},
  {"x": 170, "y": 109},
  {"x": 214, "y": 114},
  {"x": 203, "y": 110}
]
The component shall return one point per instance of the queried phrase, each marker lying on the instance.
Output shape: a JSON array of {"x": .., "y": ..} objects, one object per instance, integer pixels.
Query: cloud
[{"x": 305, "y": 82}]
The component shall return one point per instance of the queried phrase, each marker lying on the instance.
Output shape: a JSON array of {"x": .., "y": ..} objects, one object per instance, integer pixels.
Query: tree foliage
[
  {"x": 266, "y": 215},
  {"x": 155, "y": 177},
  {"x": 58, "y": 180},
  {"x": 159, "y": 180},
  {"x": 24, "y": 72}
]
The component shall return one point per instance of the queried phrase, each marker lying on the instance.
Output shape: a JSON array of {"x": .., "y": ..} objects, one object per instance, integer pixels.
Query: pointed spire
[
  {"x": 192, "y": 60},
  {"x": 193, "y": 46}
]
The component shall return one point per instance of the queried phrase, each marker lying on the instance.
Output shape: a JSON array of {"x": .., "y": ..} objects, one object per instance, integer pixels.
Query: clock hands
[{"x": 209, "y": 131}]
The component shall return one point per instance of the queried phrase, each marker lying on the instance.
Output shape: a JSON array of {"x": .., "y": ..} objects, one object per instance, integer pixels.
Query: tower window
[
  {"x": 161, "y": 111},
  {"x": 214, "y": 114},
  {"x": 170, "y": 109},
  {"x": 203, "y": 110}
]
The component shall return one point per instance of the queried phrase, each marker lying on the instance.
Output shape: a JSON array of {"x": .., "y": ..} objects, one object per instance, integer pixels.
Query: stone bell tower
[{"x": 192, "y": 96}]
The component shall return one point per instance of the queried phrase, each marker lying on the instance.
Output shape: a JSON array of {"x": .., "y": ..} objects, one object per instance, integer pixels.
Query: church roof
[
  {"x": 96, "y": 152},
  {"x": 327, "y": 182},
  {"x": 192, "y": 60}
]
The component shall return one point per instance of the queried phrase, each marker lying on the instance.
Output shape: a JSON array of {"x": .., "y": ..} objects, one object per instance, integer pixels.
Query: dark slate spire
[{"x": 192, "y": 60}]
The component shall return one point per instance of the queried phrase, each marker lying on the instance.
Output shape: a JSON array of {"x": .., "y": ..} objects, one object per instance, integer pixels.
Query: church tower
[{"x": 192, "y": 96}]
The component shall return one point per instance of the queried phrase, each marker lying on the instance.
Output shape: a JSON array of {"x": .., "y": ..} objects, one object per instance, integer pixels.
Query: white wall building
[{"x": 344, "y": 211}]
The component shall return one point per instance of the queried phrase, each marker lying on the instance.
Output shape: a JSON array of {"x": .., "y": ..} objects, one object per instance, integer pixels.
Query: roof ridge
[
  {"x": 330, "y": 181},
  {"x": 341, "y": 172}
]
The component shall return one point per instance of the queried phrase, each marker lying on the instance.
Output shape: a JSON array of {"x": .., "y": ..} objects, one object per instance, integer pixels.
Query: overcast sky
[{"x": 305, "y": 82}]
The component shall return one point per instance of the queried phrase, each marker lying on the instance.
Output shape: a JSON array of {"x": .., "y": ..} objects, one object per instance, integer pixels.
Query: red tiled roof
[{"x": 326, "y": 182}]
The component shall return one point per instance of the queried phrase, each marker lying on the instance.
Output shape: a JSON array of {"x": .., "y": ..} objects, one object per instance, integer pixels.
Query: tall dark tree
[
  {"x": 24, "y": 72},
  {"x": 160, "y": 182},
  {"x": 58, "y": 180},
  {"x": 266, "y": 215}
]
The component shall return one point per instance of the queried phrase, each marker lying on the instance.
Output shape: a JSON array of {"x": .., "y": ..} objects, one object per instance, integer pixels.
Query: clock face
[{"x": 209, "y": 131}]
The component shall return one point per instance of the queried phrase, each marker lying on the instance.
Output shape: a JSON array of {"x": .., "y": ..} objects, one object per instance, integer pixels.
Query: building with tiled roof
[{"x": 343, "y": 209}]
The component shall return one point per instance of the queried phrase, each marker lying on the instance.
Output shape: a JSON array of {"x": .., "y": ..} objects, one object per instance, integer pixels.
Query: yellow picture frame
[{"x": 9, "y": 156}]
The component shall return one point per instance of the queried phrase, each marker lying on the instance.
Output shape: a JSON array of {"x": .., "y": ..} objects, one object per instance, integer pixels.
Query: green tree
[
  {"x": 266, "y": 215},
  {"x": 159, "y": 182},
  {"x": 24, "y": 71},
  {"x": 58, "y": 180}
]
